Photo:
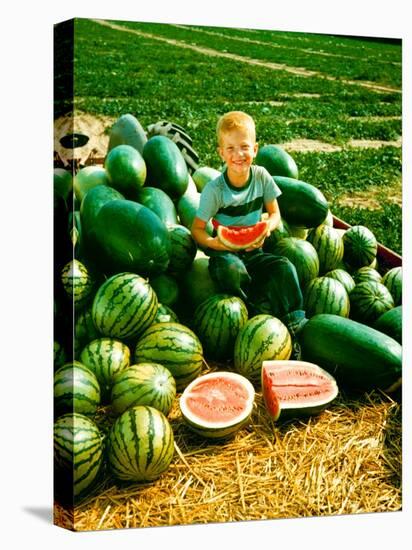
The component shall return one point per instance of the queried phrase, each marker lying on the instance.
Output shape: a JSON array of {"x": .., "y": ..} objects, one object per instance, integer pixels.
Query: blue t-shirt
[{"x": 234, "y": 206}]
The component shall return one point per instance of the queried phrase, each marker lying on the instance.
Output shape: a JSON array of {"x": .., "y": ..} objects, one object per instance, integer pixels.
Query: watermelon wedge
[
  {"x": 296, "y": 388},
  {"x": 239, "y": 238}
]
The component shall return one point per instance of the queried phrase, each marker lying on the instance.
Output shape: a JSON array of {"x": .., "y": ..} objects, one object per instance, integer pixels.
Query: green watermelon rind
[
  {"x": 174, "y": 346},
  {"x": 140, "y": 444},
  {"x": 76, "y": 389},
  {"x": 143, "y": 384},
  {"x": 78, "y": 453},
  {"x": 369, "y": 300},
  {"x": 217, "y": 322}
]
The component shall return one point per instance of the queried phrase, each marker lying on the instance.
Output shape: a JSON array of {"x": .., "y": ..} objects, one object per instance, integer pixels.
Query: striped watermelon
[
  {"x": 76, "y": 389},
  {"x": 329, "y": 245},
  {"x": 165, "y": 314},
  {"x": 276, "y": 235},
  {"x": 105, "y": 357},
  {"x": 343, "y": 277},
  {"x": 262, "y": 337},
  {"x": 166, "y": 288},
  {"x": 326, "y": 295},
  {"x": 216, "y": 405},
  {"x": 78, "y": 453},
  {"x": 144, "y": 384},
  {"x": 84, "y": 329},
  {"x": 366, "y": 273},
  {"x": 217, "y": 322},
  {"x": 174, "y": 346},
  {"x": 77, "y": 282},
  {"x": 183, "y": 249},
  {"x": 140, "y": 444},
  {"x": 360, "y": 246},
  {"x": 393, "y": 282},
  {"x": 369, "y": 300},
  {"x": 124, "y": 306},
  {"x": 303, "y": 256}
]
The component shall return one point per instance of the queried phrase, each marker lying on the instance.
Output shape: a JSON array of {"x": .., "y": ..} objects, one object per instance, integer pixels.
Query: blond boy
[{"x": 236, "y": 198}]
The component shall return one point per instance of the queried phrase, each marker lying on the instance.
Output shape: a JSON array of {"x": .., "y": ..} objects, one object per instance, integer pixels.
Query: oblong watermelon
[
  {"x": 301, "y": 203},
  {"x": 390, "y": 323},
  {"x": 126, "y": 170},
  {"x": 166, "y": 166},
  {"x": 127, "y": 130},
  {"x": 216, "y": 405},
  {"x": 277, "y": 161},
  {"x": 137, "y": 241},
  {"x": 329, "y": 245},
  {"x": 158, "y": 202}
]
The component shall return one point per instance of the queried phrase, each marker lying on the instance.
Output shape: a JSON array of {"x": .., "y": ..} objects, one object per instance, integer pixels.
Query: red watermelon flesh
[
  {"x": 296, "y": 388},
  {"x": 238, "y": 238},
  {"x": 217, "y": 404}
]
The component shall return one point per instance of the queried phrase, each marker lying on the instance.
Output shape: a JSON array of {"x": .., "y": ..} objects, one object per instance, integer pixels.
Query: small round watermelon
[
  {"x": 343, "y": 277},
  {"x": 78, "y": 454},
  {"x": 77, "y": 282},
  {"x": 369, "y": 300},
  {"x": 261, "y": 337},
  {"x": 124, "y": 306},
  {"x": 326, "y": 295},
  {"x": 140, "y": 444},
  {"x": 329, "y": 245},
  {"x": 360, "y": 246},
  {"x": 393, "y": 282},
  {"x": 144, "y": 384},
  {"x": 77, "y": 389}
]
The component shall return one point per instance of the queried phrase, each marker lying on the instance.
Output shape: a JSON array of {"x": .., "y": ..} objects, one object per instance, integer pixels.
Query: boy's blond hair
[{"x": 235, "y": 120}]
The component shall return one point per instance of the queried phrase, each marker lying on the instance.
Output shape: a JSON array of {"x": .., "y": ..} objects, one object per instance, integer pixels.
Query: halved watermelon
[
  {"x": 242, "y": 237},
  {"x": 296, "y": 388},
  {"x": 216, "y": 405}
]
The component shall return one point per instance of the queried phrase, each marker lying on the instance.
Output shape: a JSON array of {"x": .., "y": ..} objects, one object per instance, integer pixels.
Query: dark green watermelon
[
  {"x": 159, "y": 202},
  {"x": 166, "y": 167},
  {"x": 131, "y": 238},
  {"x": 277, "y": 161}
]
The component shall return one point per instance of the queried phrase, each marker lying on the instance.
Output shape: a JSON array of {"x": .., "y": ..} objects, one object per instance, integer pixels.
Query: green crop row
[{"x": 356, "y": 67}]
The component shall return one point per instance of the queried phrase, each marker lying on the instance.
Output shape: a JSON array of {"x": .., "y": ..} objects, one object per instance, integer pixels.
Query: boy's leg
[
  {"x": 275, "y": 289},
  {"x": 229, "y": 273}
]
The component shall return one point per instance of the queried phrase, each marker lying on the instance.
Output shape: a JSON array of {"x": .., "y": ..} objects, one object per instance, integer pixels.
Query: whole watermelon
[
  {"x": 131, "y": 238},
  {"x": 217, "y": 322}
]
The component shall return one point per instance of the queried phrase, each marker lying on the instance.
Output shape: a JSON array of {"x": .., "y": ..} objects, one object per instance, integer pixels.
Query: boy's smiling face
[{"x": 237, "y": 148}]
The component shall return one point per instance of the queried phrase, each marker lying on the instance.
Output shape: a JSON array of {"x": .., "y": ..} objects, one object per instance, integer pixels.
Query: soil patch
[
  {"x": 372, "y": 198},
  {"x": 309, "y": 145}
]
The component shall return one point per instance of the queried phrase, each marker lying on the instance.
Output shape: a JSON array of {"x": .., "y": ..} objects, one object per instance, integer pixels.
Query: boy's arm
[
  {"x": 272, "y": 208},
  {"x": 200, "y": 235}
]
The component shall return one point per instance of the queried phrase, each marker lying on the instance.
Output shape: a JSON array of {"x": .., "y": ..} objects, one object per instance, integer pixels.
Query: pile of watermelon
[{"x": 138, "y": 317}]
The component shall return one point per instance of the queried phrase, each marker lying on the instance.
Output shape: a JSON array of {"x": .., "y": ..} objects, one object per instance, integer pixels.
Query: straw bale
[{"x": 346, "y": 460}]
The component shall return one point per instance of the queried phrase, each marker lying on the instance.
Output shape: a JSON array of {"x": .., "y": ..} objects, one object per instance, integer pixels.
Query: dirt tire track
[{"x": 273, "y": 66}]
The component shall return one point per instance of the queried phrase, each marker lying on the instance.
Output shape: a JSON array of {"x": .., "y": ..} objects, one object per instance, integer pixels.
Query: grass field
[{"x": 342, "y": 92}]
